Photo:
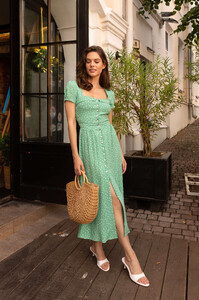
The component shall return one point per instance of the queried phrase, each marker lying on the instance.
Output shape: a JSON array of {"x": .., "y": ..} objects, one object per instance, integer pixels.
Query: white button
[
  {"x": 103, "y": 153},
  {"x": 101, "y": 136},
  {"x": 97, "y": 109},
  {"x": 104, "y": 159},
  {"x": 106, "y": 171},
  {"x": 102, "y": 142}
]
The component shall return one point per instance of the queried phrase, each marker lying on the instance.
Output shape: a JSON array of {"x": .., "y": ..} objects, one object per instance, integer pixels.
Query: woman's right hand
[{"x": 78, "y": 166}]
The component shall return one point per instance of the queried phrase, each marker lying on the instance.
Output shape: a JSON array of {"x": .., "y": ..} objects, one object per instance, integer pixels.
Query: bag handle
[{"x": 77, "y": 183}]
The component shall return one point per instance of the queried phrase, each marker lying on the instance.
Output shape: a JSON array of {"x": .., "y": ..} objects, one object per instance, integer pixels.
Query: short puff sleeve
[
  {"x": 112, "y": 99},
  {"x": 71, "y": 92}
]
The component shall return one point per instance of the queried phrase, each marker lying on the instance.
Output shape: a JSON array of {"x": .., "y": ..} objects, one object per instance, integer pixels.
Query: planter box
[{"x": 148, "y": 178}]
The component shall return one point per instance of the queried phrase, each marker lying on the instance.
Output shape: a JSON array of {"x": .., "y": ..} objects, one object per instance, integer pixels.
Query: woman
[{"x": 90, "y": 101}]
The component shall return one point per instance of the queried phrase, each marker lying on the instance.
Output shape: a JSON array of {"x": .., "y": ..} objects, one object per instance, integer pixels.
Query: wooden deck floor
[{"x": 58, "y": 266}]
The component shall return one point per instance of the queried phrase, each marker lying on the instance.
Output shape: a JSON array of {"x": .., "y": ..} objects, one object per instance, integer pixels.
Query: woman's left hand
[{"x": 124, "y": 165}]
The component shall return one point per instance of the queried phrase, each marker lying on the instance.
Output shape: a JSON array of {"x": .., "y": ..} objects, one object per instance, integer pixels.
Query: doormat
[{"x": 192, "y": 184}]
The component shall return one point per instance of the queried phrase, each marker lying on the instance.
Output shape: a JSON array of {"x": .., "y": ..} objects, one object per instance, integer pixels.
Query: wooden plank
[
  {"x": 155, "y": 269},
  {"x": 39, "y": 275},
  {"x": 83, "y": 279},
  {"x": 174, "y": 286},
  {"x": 193, "y": 272},
  {"x": 104, "y": 282},
  {"x": 11, "y": 262},
  {"x": 61, "y": 278},
  {"x": 16, "y": 276},
  {"x": 125, "y": 288}
]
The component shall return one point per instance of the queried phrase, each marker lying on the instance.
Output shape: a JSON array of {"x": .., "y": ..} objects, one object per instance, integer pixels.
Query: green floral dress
[{"x": 100, "y": 152}]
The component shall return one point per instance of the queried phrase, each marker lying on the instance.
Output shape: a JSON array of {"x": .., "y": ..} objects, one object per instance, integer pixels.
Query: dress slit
[{"x": 118, "y": 194}]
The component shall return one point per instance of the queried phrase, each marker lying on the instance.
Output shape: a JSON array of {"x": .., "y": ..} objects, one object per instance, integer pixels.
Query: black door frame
[{"x": 20, "y": 151}]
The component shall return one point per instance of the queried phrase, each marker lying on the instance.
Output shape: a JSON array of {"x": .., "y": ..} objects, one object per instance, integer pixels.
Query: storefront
[{"x": 47, "y": 39}]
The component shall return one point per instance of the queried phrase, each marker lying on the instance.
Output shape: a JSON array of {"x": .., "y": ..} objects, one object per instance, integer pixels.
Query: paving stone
[
  {"x": 181, "y": 221},
  {"x": 148, "y": 212},
  {"x": 157, "y": 228},
  {"x": 131, "y": 214},
  {"x": 154, "y": 223},
  {"x": 156, "y": 213},
  {"x": 193, "y": 228},
  {"x": 178, "y": 236},
  {"x": 188, "y": 217},
  {"x": 165, "y": 224},
  {"x": 131, "y": 210},
  {"x": 141, "y": 216},
  {"x": 171, "y": 210},
  {"x": 184, "y": 212},
  {"x": 180, "y": 226},
  {"x": 196, "y": 234},
  {"x": 190, "y": 222},
  {"x": 190, "y": 238},
  {"x": 141, "y": 221},
  {"x": 151, "y": 217},
  {"x": 147, "y": 227},
  {"x": 195, "y": 208},
  {"x": 175, "y": 216},
  {"x": 188, "y": 232},
  {"x": 165, "y": 219},
  {"x": 187, "y": 200},
  {"x": 173, "y": 230},
  {"x": 174, "y": 206},
  {"x": 136, "y": 225},
  {"x": 166, "y": 214},
  {"x": 162, "y": 233},
  {"x": 195, "y": 213}
]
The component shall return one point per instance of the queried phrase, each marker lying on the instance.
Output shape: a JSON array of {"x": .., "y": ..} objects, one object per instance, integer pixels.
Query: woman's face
[{"x": 94, "y": 64}]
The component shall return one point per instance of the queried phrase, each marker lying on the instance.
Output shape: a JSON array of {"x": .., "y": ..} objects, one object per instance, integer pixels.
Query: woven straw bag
[{"x": 82, "y": 201}]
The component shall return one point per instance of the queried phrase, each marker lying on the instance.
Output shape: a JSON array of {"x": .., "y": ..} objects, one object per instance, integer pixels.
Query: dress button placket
[{"x": 101, "y": 136}]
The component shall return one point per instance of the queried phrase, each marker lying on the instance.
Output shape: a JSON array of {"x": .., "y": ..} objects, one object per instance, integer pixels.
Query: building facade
[
  {"x": 47, "y": 38},
  {"x": 113, "y": 24}
]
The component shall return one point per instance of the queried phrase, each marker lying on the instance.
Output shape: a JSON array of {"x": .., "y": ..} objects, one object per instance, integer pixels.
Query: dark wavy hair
[{"x": 81, "y": 73}]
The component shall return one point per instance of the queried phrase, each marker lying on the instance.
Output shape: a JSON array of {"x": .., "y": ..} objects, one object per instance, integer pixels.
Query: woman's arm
[
  {"x": 72, "y": 129},
  {"x": 124, "y": 164}
]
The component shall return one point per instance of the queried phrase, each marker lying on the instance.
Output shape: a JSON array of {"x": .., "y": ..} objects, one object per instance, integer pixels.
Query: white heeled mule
[
  {"x": 134, "y": 277},
  {"x": 100, "y": 262}
]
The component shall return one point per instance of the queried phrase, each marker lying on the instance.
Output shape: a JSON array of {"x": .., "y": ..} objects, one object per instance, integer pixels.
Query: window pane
[
  {"x": 35, "y": 70},
  {"x": 35, "y": 119},
  {"x": 63, "y": 14},
  {"x": 56, "y": 117},
  {"x": 69, "y": 74},
  {"x": 35, "y": 22},
  {"x": 57, "y": 69}
]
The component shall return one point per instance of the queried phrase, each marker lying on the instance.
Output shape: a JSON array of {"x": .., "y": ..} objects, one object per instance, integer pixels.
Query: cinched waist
[{"x": 96, "y": 124}]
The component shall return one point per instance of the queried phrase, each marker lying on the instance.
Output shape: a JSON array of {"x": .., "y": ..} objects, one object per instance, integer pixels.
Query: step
[
  {"x": 16, "y": 214},
  {"x": 28, "y": 233}
]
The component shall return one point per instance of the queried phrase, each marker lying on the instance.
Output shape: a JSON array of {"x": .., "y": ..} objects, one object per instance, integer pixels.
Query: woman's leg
[
  {"x": 97, "y": 247},
  {"x": 130, "y": 256}
]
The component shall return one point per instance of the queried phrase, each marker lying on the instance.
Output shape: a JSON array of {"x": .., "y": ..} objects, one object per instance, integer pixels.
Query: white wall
[{"x": 108, "y": 29}]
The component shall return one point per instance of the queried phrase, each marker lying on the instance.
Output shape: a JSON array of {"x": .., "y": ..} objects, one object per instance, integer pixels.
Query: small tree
[
  {"x": 146, "y": 93},
  {"x": 193, "y": 67}
]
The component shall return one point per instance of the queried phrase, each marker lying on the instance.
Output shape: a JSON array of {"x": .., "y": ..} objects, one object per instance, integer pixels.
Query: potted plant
[
  {"x": 146, "y": 93},
  {"x": 5, "y": 148}
]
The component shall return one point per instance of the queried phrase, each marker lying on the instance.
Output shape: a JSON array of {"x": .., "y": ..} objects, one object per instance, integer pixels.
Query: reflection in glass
[
  {"x": 69, "y": 74},
  {"x": 63, "y": 13},
  {"x": 35, "y": 70},
  {"x": 35, "y": 118},
  {"x": 57, "y": 69},
  {"x": 56, "y": 118},
  {"x": 35, "y": 22}
]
